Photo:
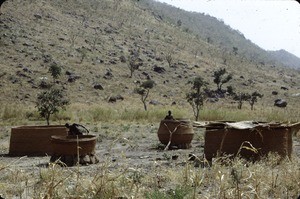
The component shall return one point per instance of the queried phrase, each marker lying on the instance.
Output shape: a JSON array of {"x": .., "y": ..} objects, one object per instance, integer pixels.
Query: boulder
[
  {"x": 147, "y": 75},
  {"x": 212, "y": 100},
  {"x": 108, "y": 75},
  {"x": 296, "y": 95},
  {"x": 98, "y": 87},
  {"x": 122, "y": 59},
  {"x": 73, "y": 78},
  {"x": 44, "y": 84},
  {"x": 280, "y": 103},
  {"x": 113, "y": 61},
  {"x": 68, "y": 73},
  {"x": 119, "y": 97},
  {"x": 159, "y": 59},
  {"x": 154, "y": 102},
  {"x": 159, "y": 69},
  {"x": 21, "y": 74},
  {"x": 38, "y": 16},
  {"x": 114, "y": 99},
  {"x": 27, "y": 70}
]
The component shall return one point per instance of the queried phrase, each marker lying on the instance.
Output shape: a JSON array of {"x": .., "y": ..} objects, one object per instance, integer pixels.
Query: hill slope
[
  {"x": 286, "y": 58},
  {"x": 214, "y": 31},
  {"x": 90, "y": 39}
]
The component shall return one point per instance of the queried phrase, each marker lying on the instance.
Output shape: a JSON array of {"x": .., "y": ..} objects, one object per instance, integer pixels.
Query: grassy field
[
  {"x": 237, "y": 179},
  {"x": 132, "y": 165},
  {"x": 128, "y": 112}
]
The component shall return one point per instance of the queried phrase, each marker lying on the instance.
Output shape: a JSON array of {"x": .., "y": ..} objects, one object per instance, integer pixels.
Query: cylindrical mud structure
[
  {"x": 74, "y": 149},
  {"x": 73, "y": 145},
  {"x": 177, "y": 132},
  {"x": 34, "y": 140}
]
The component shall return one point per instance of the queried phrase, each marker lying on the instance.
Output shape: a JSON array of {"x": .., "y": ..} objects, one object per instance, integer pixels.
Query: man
[{"x": 76, "y": 129}]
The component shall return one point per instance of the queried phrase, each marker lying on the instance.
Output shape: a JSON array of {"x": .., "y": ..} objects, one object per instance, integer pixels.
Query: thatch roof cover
[{"x": 244, "y": 125}]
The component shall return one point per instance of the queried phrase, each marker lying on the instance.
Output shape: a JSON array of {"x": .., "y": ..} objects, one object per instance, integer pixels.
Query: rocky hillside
[
  {"x": 215, "y": 32},
  {"x": 286, "y": 58},
  {"x": 92, "y": 42}
]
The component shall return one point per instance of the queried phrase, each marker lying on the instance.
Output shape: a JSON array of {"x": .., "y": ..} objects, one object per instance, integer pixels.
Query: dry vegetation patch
[{"x": 133, "y": 165}]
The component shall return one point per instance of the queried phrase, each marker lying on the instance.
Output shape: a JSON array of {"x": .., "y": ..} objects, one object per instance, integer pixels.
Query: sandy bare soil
[
  {"x": 131, "y": 145},
  {"x": 135, "y": 146}
]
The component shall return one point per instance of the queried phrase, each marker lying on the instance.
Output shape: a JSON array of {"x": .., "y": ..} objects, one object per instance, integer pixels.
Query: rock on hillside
[{"x": 92, "y": 42}]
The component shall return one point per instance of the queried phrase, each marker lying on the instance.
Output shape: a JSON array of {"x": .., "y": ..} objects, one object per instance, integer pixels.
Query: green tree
[
  {"x": 143, "y": 90},
  {"x": 55, "y": 71},
  {"x": 196, "y": 96},
  {"x": 221, "y": 77},
  {"x": 49, "y": 102},
  {"x": 241, "y": 98},
  {"x": 230, "y": 90},
  {"x": 253, "y": 98}
]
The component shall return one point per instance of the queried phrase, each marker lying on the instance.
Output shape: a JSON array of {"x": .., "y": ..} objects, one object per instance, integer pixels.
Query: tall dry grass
[
  {"x": 161, "y": 179},
  {"x": 266, "y": 114},
  {"x": 82, "y": 113},
  {"x": 224, "y": 179}
]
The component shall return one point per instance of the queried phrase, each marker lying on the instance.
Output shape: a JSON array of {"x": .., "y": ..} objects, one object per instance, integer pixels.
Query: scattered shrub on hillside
[
  {"x": 143, "y": 90},
  {"x": 240, "y": 98},
  {"x": 221, "y": 77},
  {"x": 44, "y": 83},
  {"x": 235, "y": 50},
  {"x": 197, "y": 96},
  {"x": 50, "y": 101},
  {"x": 55, "y": 71},
  {"x": 83, "y": 53},
  {"x": 169, "y": 58},
  {"x": 253, "y": 98},
  {"x": 230, "y": 90},
  {"x": 134, "y": 62}
]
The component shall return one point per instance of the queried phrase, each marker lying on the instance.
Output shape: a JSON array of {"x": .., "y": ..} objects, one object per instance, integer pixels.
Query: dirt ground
[
  {"x": 135, "y": 146},
  {"x": 131, "y": 145}
]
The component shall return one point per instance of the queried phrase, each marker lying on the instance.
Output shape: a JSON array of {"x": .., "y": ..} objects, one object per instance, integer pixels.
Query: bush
[
  {"x": 144, "y": 90},
  {"x": 197, "y": 95},
  {"x": 49, "y": 102},
  {"x": 221, "y": 77}
]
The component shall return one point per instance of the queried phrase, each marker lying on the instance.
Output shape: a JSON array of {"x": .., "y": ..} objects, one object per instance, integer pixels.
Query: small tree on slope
[
  {"x": 196, "y": 96},
  {"x": 49, "y": 102},
  {"x": 221, "y": 77},
  {"x": 143, "y": 90}
]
